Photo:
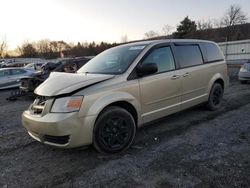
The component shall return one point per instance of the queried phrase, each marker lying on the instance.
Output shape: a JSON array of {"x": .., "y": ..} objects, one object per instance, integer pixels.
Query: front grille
[
  {"x": 38, "y": 105},
  {"x": 56, "y": 139}
]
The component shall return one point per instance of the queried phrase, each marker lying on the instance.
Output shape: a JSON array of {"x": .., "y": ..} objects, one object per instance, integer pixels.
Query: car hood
[{"x": 63, "y": 83}]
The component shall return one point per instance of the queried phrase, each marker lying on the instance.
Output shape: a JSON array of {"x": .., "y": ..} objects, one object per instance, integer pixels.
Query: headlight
[
  {"x": 243, "y": 69},
  {"x": 67, "y": 104}
]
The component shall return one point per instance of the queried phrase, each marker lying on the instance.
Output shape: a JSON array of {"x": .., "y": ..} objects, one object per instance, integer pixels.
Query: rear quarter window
[
  {"x": 211, "y": 52},
  {"x": 189, "y": 55}
]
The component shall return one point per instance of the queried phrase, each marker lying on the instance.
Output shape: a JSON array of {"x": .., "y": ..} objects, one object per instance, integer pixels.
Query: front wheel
[
  {"x": 215, "y": 97},
  {"x": 114, "y": 130}
]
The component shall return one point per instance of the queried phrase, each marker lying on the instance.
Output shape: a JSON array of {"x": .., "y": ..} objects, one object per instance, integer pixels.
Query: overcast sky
[{"x": 100, "y": 20}]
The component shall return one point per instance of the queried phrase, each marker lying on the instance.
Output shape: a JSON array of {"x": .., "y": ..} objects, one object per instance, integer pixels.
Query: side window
[
  {"x": 211, "y": 52},
  {"x": 163, "y": 58},
  {"x": 189, "y": 55},
  {"x": 17, "y": 71},
  {"x": 4, "y": 73}
]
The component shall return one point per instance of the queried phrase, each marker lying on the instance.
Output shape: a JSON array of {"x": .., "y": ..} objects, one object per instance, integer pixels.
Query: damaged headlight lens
[{"x": 67, "y": 104}]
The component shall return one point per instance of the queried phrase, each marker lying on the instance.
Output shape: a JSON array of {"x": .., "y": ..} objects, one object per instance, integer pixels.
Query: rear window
[
  {"x": 189, "y": 55},
  {"x": 211, "y": 52}
]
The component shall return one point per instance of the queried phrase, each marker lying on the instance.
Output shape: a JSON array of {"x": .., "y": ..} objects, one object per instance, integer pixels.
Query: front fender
[{"x": 108, "y": 99}]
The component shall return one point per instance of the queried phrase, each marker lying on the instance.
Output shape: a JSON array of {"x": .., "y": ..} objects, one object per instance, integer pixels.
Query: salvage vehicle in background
[
  {"x": 2, "y": 63},
  {"x": 11, "y": 77},
  {"x": 29, "y": 83},
  {"x": 34, "y": 66},
  {"x": 123, "y": 88},
  {"x": 13, "y": 63},
  {"x": 244, "y": 73}
]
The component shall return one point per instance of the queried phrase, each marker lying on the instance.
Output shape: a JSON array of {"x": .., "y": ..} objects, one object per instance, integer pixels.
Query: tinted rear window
[
  {"x": 189, "y": 55},
  {"x": 211, "y": 52}
]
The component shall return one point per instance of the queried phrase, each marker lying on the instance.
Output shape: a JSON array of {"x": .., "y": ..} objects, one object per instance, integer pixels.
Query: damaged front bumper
[{"x": 65, "y": 130}]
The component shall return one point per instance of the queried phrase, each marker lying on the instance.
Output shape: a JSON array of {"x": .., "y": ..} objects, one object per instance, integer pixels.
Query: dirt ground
[{"x": 194, "y": 148}]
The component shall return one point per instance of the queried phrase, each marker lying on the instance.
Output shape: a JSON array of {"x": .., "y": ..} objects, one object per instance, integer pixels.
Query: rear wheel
[
  {"x": 215, "y": 97},
  {"x": 114, "y": 130}
]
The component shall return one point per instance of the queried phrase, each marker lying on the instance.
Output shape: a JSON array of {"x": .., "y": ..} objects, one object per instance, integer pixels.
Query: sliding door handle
[{"x": 186, "y": 74}]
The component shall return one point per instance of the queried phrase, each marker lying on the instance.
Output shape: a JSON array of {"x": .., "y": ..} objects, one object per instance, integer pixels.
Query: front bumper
[{"x": 65, "y": 130}]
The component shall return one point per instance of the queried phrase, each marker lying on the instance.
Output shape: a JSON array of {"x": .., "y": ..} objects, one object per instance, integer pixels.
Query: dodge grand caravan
[{"x": 123, "y": 88}]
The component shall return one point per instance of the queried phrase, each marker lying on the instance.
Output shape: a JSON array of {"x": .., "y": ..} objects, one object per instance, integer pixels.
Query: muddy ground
[{"x": 194, "y": 148}]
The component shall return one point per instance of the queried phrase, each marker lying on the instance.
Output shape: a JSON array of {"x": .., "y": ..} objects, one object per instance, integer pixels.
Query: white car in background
[
  {"x": 244, "y": 73},
  {"x": 10, "y": 77}
]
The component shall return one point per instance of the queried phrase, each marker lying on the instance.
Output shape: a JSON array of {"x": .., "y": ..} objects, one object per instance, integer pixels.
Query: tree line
[{"x": 54, "y": 49}]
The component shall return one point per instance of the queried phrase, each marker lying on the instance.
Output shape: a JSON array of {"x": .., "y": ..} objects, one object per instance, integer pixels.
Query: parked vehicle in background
[
  {"x": 34, "y": 66},
  {"x": 10, "y": 77},
  {"x": 13, "y": 63},
  {"x": 2, "y": 63},
  {"x": 123, "y": 88},
  {"x": 29, "y": 83},
  {"x": 244, "y": 73}
]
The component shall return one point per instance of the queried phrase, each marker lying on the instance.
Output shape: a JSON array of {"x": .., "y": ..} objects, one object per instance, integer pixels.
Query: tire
[
  {"x": 243, "y": 82},
  {"x": 114, "y": 130},
  {"x": 215, "y": 97}
]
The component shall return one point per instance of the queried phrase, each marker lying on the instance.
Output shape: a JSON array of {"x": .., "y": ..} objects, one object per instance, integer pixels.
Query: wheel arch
[
  {"x": 120, "y": 99},
  {"x": 220, "y": 81},
  {"x": 127, "y": 106},
  {"x": 217, "y": 78}
]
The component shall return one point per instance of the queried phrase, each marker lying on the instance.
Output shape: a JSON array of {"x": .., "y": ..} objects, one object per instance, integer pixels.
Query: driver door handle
[{"x": 174, "y": 77}]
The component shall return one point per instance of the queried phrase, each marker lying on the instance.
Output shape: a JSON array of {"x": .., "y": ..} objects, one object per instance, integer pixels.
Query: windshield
[
  {"x": 113, "y": 61},
  {"x": 29, "y": 65}
]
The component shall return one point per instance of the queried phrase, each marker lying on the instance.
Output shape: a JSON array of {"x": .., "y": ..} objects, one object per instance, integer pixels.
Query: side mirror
[{"x": 147, "y": 69}]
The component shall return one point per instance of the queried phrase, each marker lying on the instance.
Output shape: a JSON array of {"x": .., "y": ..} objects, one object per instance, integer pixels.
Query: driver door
[{"x": 161, "y": 92}]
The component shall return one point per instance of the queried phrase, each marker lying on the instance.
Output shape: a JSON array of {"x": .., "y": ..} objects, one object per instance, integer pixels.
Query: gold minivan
[{"x": 123, "y": 88}]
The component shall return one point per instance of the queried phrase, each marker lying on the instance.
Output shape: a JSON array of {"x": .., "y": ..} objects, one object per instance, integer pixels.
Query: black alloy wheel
[
  {"x": 114, "y": 130},
  {"x": 215, "y": 97}
]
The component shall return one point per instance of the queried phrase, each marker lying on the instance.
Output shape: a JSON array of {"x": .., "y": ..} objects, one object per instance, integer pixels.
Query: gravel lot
[{"x": 194, "y": 148}]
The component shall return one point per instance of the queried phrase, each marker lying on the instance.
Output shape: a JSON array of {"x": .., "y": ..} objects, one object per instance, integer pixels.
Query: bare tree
[
  {"x": 167, "y": 29},
  {"x": 124, "y": 38},
  {"x": 3, "y": 46},
  {"x": 151, "y": 34},
  {"x": 204, "y": 24},
  {"x": 217, "y": 23},
  {"x": 43, "y": 46},
  {"x": 234, "y": 16},
  {"x": 27, "y": 49}
]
